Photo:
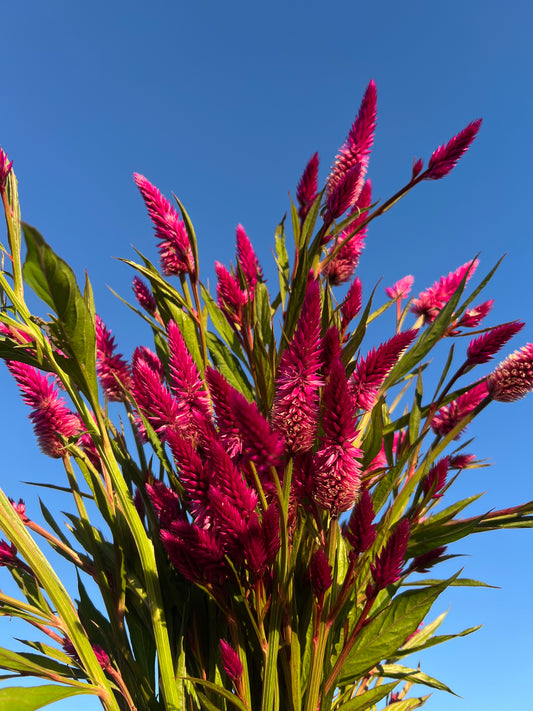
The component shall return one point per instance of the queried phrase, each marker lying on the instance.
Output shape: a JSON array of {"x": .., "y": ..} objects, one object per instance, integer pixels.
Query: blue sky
[{"x": 223, "y": 103}]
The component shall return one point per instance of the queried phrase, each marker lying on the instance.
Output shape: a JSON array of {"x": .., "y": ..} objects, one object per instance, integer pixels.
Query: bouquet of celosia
[{"x": 257, "y": 535}]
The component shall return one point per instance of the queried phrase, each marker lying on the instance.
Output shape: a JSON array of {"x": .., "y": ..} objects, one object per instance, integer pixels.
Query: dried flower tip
[
  {"x": 5, "y": 168},
  {"x": 144, "y": 296},
  {"x": 401, "y": 289},
  {"x": 230, "y": 661},
  {"x": 513, "y": 378},
  {"x": 307, "y": 189},
  {"x": 174, "y": 248},
  {"x": 482, "y": 349},
  {"x": 446, "y": 157},
  {"x": 356, "y": 149}
]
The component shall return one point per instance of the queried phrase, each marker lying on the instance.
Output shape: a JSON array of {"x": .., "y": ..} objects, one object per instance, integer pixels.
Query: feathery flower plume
[
  {"x": 401, "y": 289},
  {"x": 450, "y": 415},
  {"x": 474, "y": 316},
  {"x": 430, "y": 302},
  {"x": 344, "y": 194},
  {"x": 295, "y": 409},
  {"x": 20, "y": 508},
  {"x": 248, "y": 261},
  {"x": 51, "y": 419},
  {"x": 112, "y": 369},
  {"x": 387, "y": 569},
  {"x": 196, "y": 553},
  {"x": 423, "y": 563},
  {"x": 187, "y": 386},
  {"x": 228, "y": 430},
  {"x": 231, "y": 298},
  {"x": 343, "y": 265},
  {"x": 356, "y": 149},
  {"x": 144, "y": 296},
  {"x": 462, "y": 461},
  {"x": 435, "y": 480},
  {"x": 446, "y": 157},
  {"x": 174, "y": 248},
  {"x": 5, "y": 168},
  {"x": 482, "y": 349},
  {"x": 101, "y": 655},
  {"x": 8, "y": 554},
  {"x": 320, "y": 573},
  {"x": 418, "y": 164},
  {"x": 360, "y": 532},
  {"x": 370, "y": 373},
  {"x": 336, "y": 469},
  {"x": 230, "y": 661},
  {"x": 194, "y": 477},
  {"x": 307, "y": 189},
  {"x": 152, "y": 396},
  {"x": 351, "y": 305},
  {"x": 513, "y": 378},
  {"x": 165, "y": 502}
]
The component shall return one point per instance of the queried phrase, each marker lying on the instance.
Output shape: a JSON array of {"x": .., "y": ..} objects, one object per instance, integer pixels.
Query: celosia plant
[{"x": 263, "y": 538}]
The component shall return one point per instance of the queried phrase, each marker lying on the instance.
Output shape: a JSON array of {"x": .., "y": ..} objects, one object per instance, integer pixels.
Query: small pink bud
[
  {"x": 418, "y": 164},
  {"x": 230, "y": 661},
  {"x": 5, "y": 168}
]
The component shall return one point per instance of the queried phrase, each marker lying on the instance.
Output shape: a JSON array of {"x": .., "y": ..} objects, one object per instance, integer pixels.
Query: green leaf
[
  {"x": 221, "y": 324},
  {"x": 368, "y": 699},
  {"x": 54, "y": 282},
  {"x": 228, "y": 366},
  {"x": 415, "y": 676},
  {"x": 428, "y": 536},
  {"x": 23, "y": 698},
  {"x": 282, "y": 261},
  {"x": 407, "y": 704},
  {"x": 388, "y": 630},
  {"x": 219, "y": 690},
  {"x": 438, "y": 639}
]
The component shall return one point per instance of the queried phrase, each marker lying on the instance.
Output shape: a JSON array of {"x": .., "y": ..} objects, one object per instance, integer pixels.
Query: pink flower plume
[
  {"x": 144, "y": 296},
  {"x": 307, "y": 189},
  {"x": 247, "y": 260},
  {"x": 401, "y": 289},
  {"x": 352, "y": 303},
  {"x": 435, "y": 480},
  {"x": 387, "y": 569},
  {"x": 112, "y": 369},
  {"x": 360, "y": 531},
  {"x": 174, "y": 247},
  {"x": 231, "y": 298},
  {"x": 344, "y": 194},
  {"x": 513, "y": 378},
  {"x": 450, "y": 415},
  {"x": 482, "y": 349},
  {"x": 230, "y": 661},
  {"x": 446, "y": 157},
  {"x": 429, "y": 303}
]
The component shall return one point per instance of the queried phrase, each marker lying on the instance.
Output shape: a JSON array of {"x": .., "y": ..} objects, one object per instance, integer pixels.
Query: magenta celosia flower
[
  {"x": 351, "y": 305},
  {"x": 112, "y": 369},
  {"x": 174, "y": 247},
  {"x": 230, "y": 661},
  {"x": 371, "y": 372},
  {"x": 401, "y": 289},
  {"x": 248, "y": 261},
  {"x": 446, "y": 157},
  {"x": 144, "y": 296},
  {"x": 152, "y": 396},
  {"x": 165, "y": 502},
  {"x": 295, "y": 409},
  {"x": 196, "y": 553},
  {"x": 320, "y": 573},
  {"x": 462, "y": 461},
  {"x": 423, "y": 563},
  {"x": 20, "y": 508},
  {"x": 450, "y": 415},
  {"x": 343, "y": 265},
  {"x": 307, "y": 189},
  {"x": 356, "y": 149},
  {"x": 231, "y": 298},
  {"x": 430, "y": 302},
  {"x": 188, "y": 387},
  {"x": 387, "y": 568},
  {"x": 101, "y": 655},
  {"x": 482, "y": 349},
  {"x": 336, "y": 467},
  {"x": 474, "y": 316},
  {"x": 8, "y": 554},
  {"x": 52, "y": 420},
  {"x": 5, "y": 168},
  {"x": 513, "y": 378},
  {"x": 344, "y": 194},
  {"x": 229, "y": 432},
  {"x": 435, "y": 480},
  {"x": 360, "y": 531},
  {"x": 418, "y": 164}
]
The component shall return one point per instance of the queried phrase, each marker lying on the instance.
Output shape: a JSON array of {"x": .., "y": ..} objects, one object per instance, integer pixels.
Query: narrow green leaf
[
  {"x": 282, "y": 263},
  {"x": 438, "y": 639},
  {"x": 368, "y": 699},
  {"x": 219, "y": 690},
  {"x": 229, "y": 366},
  {"x": 415, "y": 676},
  {"x": 23, "y": 698},
  {"x": 221, "y": 324},
  {"x": 427, "y": 536},
  {"x": 407, "y": 704}
]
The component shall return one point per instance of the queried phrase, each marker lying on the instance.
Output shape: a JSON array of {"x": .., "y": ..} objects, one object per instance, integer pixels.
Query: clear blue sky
[{"x": 223, "y": 103}]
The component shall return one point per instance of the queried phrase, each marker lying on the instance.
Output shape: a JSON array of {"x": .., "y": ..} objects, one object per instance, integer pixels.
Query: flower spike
[
  {"x": 445, "y": 157},
  {"x": 513, "y": 378},
  {"x": 113, "y": 371},
  {"x": 482, "y": 349},
  {"x": 247, "y": 260},
  {"x": 429, "y": 303},
  {"x": 307, "y": 189}
]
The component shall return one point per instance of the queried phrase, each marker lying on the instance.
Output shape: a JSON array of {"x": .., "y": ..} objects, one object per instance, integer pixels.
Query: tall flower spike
[
  {"x": 230, "y": 661},
  {"x": 435, "y": 480},
  {"x": 231, "y": 298},
  {"x": 174, "y": 248},
  {"x": 513, "y": 378},
  {"x": 336, "y": 469},
  {"x": 307, "y": 189},
  {"x": 112, "y": 369},
  {"x": 445, "y": 157},
  {"x": 344, "y": 264},
  {"x": 429, "y": 303},
  {"x": 482, "y": 349},
  {"x": 344, "y": 194},
  {"x": 229, "y": 432},
  {"x": 188, "y": 386},
  {"x": 295, "y": 409},
  {"x": 248, "y": 261},
  {"x": 358, "y": 144},
  {"x": 196, "y": 553},
  {"x": 360, "y": 532},
  {"x": 387, "y": 568},
  {"x": 371, "y": 372},
  {"x": 450, "y": 415},
  {"x": 401, "y": 289},
  {"x": 320, "y": 573},
  {"x": 474, "y": 316},
  {"x": 352, "y": 303},
  {"x": 51, "y": 419},
  {"x": 144, "y": 296}
]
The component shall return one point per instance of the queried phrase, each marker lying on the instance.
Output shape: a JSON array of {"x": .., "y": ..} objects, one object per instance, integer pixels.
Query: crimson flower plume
[
  {"x": 152, "y": 396},
  {"x": 112, "y": 369},
  {"x": 307, "y": 189},
  {"x": 360, "y": 531},
  {"x": 435, "y": 480},
  {"x": 429, "y": 303},
  {"x": 247, "y": 260},
  {"x": 482, "y": 349},
  {"x": 144, "y": 296},
  {"x": 230, "y": 661},
  {"x": 401, "y": 289},
  {"x": 513, "y": 378},
  {"x": 387, "y": 569},
  {"x": 231, "y": 298},
  {"x": 446, "y": 157},
  {"x": 450, "y": 415},
  {"x": 352, "y": 303}
]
